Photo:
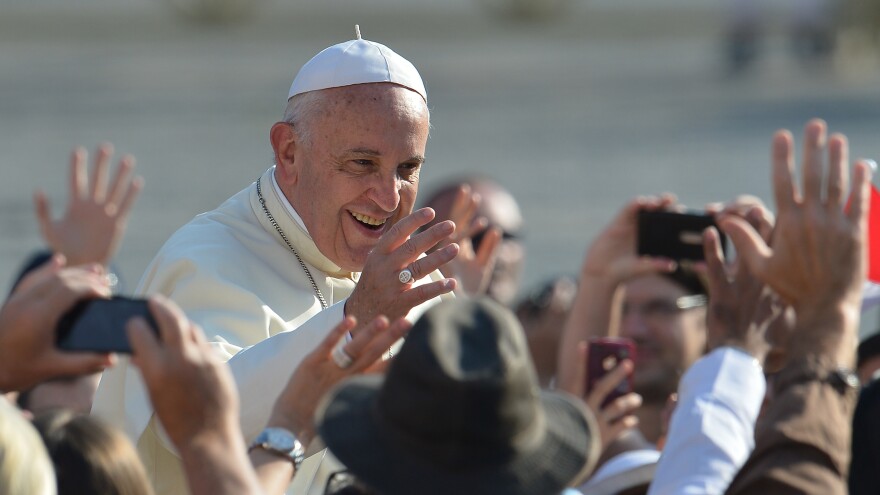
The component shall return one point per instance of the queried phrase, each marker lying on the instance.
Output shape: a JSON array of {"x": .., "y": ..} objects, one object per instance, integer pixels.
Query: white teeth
[{"x": 367, "y": 220}]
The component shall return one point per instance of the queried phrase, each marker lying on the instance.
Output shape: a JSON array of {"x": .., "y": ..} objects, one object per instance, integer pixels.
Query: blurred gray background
[{"x": 574, "y": 113}]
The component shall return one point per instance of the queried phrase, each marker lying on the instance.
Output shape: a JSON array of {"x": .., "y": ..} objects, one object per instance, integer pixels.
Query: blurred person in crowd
[
  {"x": 651, "y": 300},
  {"x": 25, "y": 468},
  {"x": 90, "y": 231},
  {"x": 327, "y": 232},
  {"x": 813, "y": 24},
  {"x": 90, "y": 456},
  {"x": 489, "y": 233},
  {"x": 28, "y": 355},
  {"x": 196, "y": 401},
  {"x": 815, "y": 263},
  {"x": 542, "y": 315},
  {"x": 473, "y": 421},
  {"x": 665, "y": 315},
  {"x": 868, "y": 357},
  {"x": 863, "y": 475}
]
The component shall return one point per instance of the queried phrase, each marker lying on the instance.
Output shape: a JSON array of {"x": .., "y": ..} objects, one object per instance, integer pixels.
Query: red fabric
[{"x": 874, "y": 236}]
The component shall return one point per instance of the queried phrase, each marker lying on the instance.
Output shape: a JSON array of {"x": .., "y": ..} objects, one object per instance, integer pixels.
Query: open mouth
[{"x": 369, "y": 222}]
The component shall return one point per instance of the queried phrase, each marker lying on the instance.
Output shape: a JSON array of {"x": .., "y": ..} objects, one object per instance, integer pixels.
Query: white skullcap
[{"x": 357, "y": 61}]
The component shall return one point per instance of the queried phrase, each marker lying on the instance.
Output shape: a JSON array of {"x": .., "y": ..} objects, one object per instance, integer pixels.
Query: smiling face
[
  {"x": 357, "y": 172},
  {"x": 668, "y": 339}
]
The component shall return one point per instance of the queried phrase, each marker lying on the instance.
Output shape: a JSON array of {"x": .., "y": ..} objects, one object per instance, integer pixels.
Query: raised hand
[
  {"x": 191, "y": 388},
  {"x": 741, "y": 307},
  {"x": 28, "y": 319},
  {"x": 613, "y": 257},
  {"x": 318, "y": 372},
  {"x": 379, "y": 291},
  {"x": 472, "y": 268},
  {"x": 816, "y": 258},
  {"x": 617, "y": 416},
  {"x": 194, "y": 396},
  {"x": 94, "y": 222}
]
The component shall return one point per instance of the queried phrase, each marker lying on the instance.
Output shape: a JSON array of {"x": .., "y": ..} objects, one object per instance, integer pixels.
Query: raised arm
[
  {"x": 610, "y": 260},
  {"x": 816, "y": 262}
]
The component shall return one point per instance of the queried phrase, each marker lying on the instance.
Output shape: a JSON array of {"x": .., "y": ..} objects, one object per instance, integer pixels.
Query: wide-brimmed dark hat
[{"x": 460, "y": 412}]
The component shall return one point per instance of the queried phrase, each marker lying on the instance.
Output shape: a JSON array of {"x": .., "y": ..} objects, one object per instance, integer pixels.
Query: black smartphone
[
  {"x": 674, "y": 235},
  {"x": 99, "y": 324}
]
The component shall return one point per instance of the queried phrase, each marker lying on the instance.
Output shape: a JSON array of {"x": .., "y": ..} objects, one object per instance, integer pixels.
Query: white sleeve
[{"x": 712, "y": 429}]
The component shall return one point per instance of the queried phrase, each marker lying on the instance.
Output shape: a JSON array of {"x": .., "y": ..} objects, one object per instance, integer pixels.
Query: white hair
[{"x": 301, "y": 111}]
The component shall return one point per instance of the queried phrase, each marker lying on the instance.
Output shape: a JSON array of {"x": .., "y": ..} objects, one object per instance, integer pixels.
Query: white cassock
[{"x": 232, "y": 274}]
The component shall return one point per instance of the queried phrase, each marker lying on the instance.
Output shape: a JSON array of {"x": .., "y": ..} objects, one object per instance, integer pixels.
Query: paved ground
[{"x": 575, "y": 114}]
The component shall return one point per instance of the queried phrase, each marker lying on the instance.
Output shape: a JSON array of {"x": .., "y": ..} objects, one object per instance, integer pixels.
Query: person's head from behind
[
  {"x": 666, "y": 317},
  {"x": 25, "y": 468},
  {"x": 351, "y": 146},
  {"x": 459, "y": 411},
  {"x": 90, "y": 456},
  {"x": 500, "y": 209}
]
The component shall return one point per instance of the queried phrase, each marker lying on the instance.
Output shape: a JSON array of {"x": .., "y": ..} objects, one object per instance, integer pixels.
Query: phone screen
[
  {"x": 674, "y": 235},
  {"x": 99, "y": 324},
  {"x": 604, "y": 354}
]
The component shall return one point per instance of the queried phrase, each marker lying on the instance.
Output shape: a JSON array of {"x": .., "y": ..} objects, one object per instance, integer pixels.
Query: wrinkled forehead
[{"x": 375, "y": 97}]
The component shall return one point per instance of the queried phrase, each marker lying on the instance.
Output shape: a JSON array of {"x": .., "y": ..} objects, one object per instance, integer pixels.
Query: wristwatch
[
  {"x": 280, "y": 442},
  {"x": 841, "y": 379}
]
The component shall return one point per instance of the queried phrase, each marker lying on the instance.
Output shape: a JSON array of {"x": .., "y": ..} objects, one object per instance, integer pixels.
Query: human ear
[{"x": 284, "y": 140}]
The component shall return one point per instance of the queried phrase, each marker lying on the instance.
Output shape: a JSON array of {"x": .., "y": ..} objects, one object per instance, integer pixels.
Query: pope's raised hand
[{"x": 381, "y": 290}]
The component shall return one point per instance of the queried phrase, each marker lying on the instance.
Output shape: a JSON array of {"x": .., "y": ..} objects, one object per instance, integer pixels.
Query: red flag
[{"x": 874, "y": 236}]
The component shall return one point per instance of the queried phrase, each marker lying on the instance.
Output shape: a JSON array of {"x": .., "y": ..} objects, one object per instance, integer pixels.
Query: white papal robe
[{"x": 232, "y": 273}]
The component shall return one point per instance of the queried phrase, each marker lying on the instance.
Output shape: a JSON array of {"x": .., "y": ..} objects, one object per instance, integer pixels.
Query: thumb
[
  {"x": 750, "y": 246},
  {"x": 145, "y": 346},
  {"x": 80, "y": 363}
]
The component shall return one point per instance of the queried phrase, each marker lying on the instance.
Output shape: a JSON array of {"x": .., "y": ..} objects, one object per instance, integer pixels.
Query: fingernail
[{"x": 872, "y": 164}]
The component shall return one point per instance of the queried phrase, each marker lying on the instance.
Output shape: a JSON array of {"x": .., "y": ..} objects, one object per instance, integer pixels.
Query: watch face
[{"x": 280, "y": 439}]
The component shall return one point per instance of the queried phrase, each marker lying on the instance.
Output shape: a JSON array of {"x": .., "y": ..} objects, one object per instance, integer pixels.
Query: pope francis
[{"x": 327, "y": 231}]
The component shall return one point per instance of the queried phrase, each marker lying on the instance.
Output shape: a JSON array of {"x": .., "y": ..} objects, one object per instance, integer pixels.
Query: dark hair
[
  {"x": 345, "y": 483},
  {"x": 90, "y": 456}
]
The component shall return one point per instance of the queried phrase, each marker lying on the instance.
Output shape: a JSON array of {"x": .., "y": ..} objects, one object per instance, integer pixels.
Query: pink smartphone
[{"x": 604, "y": 355}]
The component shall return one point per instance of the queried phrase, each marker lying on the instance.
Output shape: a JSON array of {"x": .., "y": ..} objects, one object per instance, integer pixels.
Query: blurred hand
[
  {"x": 379, "y": 291},
  {"x": 94, "y": 223},
  {"x": 473, "y": 269},
  {"x": 28, "y": 319},
  {"x": 318, "y": 372},
  {"x": 816, "y": 258},
  {"x": 741, "y": 308},
  {"x": 613, "y": 256},
  {"x": 191, "y": 389},
  {"x": 617, "y": 416}
]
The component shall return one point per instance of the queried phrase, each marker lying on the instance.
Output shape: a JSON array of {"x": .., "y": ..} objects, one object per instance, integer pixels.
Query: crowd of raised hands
[{"x": 790, "y": 300}]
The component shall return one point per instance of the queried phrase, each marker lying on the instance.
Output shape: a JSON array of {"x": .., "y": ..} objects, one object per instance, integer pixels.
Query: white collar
[{"x": 288, "y": 206}]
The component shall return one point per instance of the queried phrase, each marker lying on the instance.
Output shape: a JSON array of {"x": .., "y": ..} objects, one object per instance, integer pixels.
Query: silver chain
[{"x": 290, "y": 246}]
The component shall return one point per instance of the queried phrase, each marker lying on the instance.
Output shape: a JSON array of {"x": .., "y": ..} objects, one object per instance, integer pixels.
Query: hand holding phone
[
  {"x": 674, "y": 235},
  {"x": 99, "y": 324},
  {"x": 604, "y": 355}
]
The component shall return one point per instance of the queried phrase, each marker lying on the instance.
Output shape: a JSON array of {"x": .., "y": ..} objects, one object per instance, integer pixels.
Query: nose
[
  {"x": 385, "y": 192},
  {"x": 633, "y": 325}
]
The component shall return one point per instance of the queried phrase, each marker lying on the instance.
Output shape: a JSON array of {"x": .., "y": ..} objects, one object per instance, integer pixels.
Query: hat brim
[{"x": 349, "y": 428}]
